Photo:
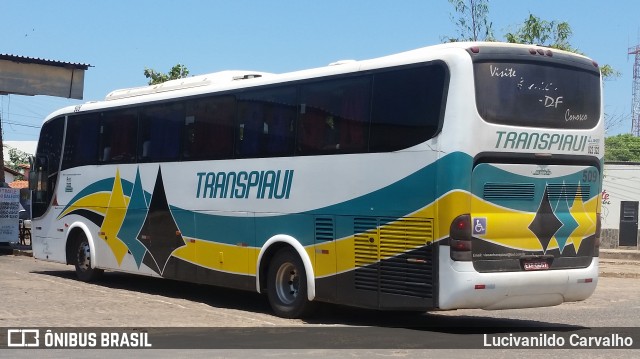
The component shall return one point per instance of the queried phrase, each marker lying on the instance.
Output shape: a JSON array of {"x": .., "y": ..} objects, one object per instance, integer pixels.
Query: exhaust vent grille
[
  {"x": 507, "y": 191},
  {"x": 394, "y": 256}
]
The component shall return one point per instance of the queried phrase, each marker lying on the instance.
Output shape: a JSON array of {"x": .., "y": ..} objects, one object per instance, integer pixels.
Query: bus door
[{"x": 43, "y": 181}]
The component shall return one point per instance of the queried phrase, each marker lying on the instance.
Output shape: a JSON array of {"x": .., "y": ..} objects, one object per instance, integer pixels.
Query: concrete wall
[
  {"x": 621, "y": 183},
  {"x": 9, "y": 177}
]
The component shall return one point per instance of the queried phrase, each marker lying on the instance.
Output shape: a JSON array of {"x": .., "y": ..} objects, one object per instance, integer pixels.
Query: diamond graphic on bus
[{"x": 545, "y": 224}]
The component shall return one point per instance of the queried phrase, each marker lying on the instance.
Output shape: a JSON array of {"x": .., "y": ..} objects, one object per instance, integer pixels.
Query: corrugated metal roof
[
  {"x": 35, "y": 60},
  {"x": 19, "y": 184}
]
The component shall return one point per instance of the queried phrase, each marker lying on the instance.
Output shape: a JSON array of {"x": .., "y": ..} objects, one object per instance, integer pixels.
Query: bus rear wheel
[
  {"x": 82, "y": 257},
  {"x": 287, "y": 285}
]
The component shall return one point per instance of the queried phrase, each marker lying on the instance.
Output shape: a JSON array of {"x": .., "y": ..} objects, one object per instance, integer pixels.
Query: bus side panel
[
  {"x": 392, "y": 264},
  {"x": 326, "y": 256},
  {"x": 387, "y": 259},
  {"x": 216, "y": 249},
  {"x": 49, "y": 244},
  {"x": 182, "y": 270}
]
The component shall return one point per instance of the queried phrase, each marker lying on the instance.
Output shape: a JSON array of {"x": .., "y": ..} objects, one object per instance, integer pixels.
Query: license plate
[{"x": 536, "y": 265}]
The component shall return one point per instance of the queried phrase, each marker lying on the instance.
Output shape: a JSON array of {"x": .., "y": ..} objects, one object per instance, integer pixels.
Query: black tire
[
  {"x": 82, "y": 260},
  {"x": 287, "y": 285}
]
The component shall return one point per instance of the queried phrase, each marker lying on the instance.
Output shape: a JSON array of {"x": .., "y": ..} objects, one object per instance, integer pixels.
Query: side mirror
[
  {"x": 38, "y": 173},
  {"x": 33, "y": 180}
]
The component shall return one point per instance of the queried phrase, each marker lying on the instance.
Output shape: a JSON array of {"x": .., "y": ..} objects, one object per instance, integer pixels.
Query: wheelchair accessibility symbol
[{"x": 479, "y": 226}]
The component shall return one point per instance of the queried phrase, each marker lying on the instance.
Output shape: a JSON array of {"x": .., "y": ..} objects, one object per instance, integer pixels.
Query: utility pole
[
  {"x": 635, "y": 105},
  {"x": 1, "y": 154}
]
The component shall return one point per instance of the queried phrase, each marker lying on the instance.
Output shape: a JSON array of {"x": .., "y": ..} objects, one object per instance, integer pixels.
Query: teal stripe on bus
[{"x": 391, "y": 202}]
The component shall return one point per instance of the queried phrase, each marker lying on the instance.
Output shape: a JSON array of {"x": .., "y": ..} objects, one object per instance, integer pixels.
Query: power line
[
  {"x": 21, "y": 124},
  {"x": 22, "y": 115}
]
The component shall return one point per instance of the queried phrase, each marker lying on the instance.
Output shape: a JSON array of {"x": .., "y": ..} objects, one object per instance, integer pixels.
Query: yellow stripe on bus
[
  {"x": 218, "y": 256},
  {"x": 96, "y": 202},
  {"x": 116, "y": 211}
]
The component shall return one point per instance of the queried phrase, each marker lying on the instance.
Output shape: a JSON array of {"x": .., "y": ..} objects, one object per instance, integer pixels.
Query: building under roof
[{"x": 34, "y": 76}]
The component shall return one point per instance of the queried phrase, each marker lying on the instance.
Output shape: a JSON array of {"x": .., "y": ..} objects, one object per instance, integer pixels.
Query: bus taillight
[
  {"x": 460, "y": 238},
  {"x": 596, "y": 250}
]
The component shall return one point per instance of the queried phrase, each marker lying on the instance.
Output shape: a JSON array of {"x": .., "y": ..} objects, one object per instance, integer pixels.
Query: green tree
[
  {"x": 608, "y": 72},
  {"x": 472, "y": 21},
  {"x": 178, "y": 71},
  {"x": 537, "y": 31},
  {"x": 16, "y": 158},
  {"x": 473, "y": 24},
  {"x": 624, "y": 147},
  {"x": 554, "y": 34}
]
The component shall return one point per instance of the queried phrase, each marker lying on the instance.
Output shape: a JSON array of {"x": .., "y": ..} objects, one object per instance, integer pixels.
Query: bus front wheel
[
  {"x": 287, "y": 285},
  {"x": 84, "y": 271}
]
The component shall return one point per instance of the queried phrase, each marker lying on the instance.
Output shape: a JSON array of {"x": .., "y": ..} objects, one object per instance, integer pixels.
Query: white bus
[{"x": 463, "y": 175}]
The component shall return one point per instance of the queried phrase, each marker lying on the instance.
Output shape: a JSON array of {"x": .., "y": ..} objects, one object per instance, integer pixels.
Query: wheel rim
[
  {"x": 287, "y": 283},
  {"x": 84, "y": 256}
]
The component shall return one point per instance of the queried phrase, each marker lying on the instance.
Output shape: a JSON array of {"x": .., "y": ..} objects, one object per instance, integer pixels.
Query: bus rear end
[{"x": 530, "y": 232}]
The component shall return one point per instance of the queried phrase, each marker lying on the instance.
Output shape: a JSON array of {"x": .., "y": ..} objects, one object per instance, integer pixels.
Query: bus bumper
[{"x": 461, "y": 286}]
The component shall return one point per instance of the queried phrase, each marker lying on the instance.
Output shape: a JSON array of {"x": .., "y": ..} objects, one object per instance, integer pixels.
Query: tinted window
[
  {"x": 407, "y": 107},
  {"x": 386, "y": 110},
  {"x": 209, "y": 124},
  {"x": 50, "y": 143},
  {"x": 266, "y": 122},
  {"x": 334, "y": 116},
  {"x": 48, "y": 160},
  {"x": 160, "y": 130},
  {"x": 118, "y": 136},
  {"x": 537, "y": 95},
  {"x": 81, "y": 143}
]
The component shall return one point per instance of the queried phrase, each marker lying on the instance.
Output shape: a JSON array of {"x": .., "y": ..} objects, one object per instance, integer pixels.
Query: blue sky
[{"x": 119, "y": 38}]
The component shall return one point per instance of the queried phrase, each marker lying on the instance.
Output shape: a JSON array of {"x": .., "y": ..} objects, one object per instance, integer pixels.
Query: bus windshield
[{"x": 537, "y": 95}]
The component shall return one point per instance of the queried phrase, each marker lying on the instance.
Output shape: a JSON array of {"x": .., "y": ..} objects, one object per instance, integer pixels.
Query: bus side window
[
  {"x": 311, "y": 136},
  {"x": 335, "y": 116},
  {"x": 209, "y": 125},
  {"x": 355, "y": 112},
  {"x": 81, "y": 144},
  {"x": 118, "y": 136},
  {"x": 266, "y": 122},
  {"x": 280, "y": 125},
  {"x": 160, "y": 132},
  {"x": 407, "y": 107},
  {"x": 251, "y": 126}
]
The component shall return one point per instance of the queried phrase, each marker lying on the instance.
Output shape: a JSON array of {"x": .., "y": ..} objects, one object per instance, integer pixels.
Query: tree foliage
[
  {"x": 534, "y": 30},
  {"x": 178, "y": 71},
  {"x": 624, "y": 147},
  {"x": 472, "y": 21},
  {"x": 473, "y": 24},
  {"x": 608, "y": 72},
  {"x": 16, "y": 158},
  {"x": 554, "y": 34}
]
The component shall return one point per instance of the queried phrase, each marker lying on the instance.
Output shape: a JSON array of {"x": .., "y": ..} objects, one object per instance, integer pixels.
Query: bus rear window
[{"x": 537, "y": 95}]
